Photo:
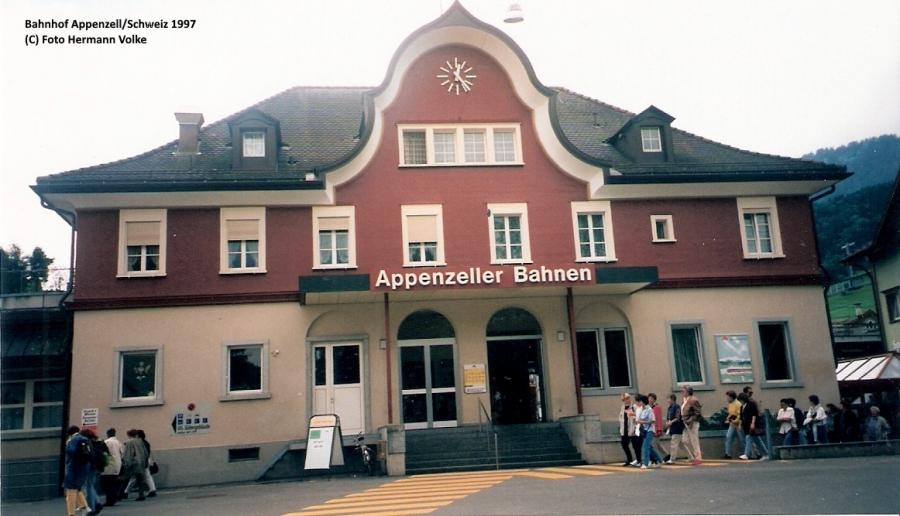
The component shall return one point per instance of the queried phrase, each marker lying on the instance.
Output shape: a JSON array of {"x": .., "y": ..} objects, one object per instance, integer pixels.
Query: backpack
[
  {"x": 100, "y": 455},
  {"x": 84, "y": 452}
]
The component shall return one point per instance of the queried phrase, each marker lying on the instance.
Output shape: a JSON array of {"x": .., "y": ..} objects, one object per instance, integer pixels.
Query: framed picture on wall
[{"x": 733, "y": 352}]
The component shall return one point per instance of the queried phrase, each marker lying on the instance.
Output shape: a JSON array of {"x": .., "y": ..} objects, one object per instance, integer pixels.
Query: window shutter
[
  {"x": 142, "y": 233},
  {"x": 242, "y": 229},
  {"x": 422, "y": 228},
  {"x": 334, "y": 224}
]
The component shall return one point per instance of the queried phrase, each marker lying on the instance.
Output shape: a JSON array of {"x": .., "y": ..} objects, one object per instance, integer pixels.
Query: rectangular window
[
  {"x": 759, "y": 227},
  {"x": 142, "y": 243},
  {"x": 650, "y": 139},
  {"x": 662, "y": 228},
  {"x": 776, "y": 351},
  {"x": 243, "y": 240},
  {"x": 414, "y": 148},
  {"x": 603, "y": 358},
  {"x": 459, "y": 144},
  {"x": 32, "y": 404},
  {"x": 505, "y": 146},
  {"x": 444, "y": 147},
  {"x": 687, "y": 351},
  {"x": 139, "y": 377},
  {"x": 892, "y": 299},
  {"x": 474, "y": 146},
  {"x": 509, "y": 233},
  {"x": 334, "y": 237},
  {"x": 254, "y": 144},
  {"x": 246, "y": 371},
  {"x": 423, "y": 230},
  {"x": 592, "y": 223}
]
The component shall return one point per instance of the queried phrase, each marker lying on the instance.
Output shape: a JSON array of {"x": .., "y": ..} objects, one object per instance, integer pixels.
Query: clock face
[{"x": 457, "y": 77}]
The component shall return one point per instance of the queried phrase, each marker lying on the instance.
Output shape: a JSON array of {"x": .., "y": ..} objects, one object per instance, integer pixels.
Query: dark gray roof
[
  {"x": 321, "y": 128},
  {"x": 588, "y": 123}
]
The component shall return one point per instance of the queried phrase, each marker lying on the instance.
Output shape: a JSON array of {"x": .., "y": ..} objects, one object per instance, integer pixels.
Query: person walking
[
  {"x": 77, "y": 468},
  {"x": 134, "y": 463},
  {"x": 148, "y": 475},
  {"x": 815, "y": 421},
  {"x": 753, "y": 426},
  {"x": 627, "y": 432},
  {"x": 876, "y": 427},
  {"x": 675, "y": 429},
  {"x": 787, "y": 423},
  {"x": 645, "y": 422},
  {"x": 847, "y": 423},
  {"x": 109, "y": 478},
  {"x": 691, "y": 414},
  {"x": 733, "y": 420},
  {"x": 658, "y": 421}
]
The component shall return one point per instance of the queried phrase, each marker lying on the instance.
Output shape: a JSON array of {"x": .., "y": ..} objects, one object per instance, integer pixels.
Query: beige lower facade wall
[{"x": 192, "y": 339}]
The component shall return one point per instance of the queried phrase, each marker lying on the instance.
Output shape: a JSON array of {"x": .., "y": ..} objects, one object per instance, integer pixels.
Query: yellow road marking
[
  {"x": 398, "y": 494},
  {"x": 577, "y": 470},
  {"x": 321, "y": 510},
  {"x": 368, "y": 502},
  {"x": 540, "y": 474},
  {"x": 502, "y": 472},
  {"x": 615, "y": 469}
]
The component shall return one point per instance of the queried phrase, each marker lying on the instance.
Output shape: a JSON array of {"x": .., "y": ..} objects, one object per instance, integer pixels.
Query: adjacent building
[{"x": 460, "y": 240}]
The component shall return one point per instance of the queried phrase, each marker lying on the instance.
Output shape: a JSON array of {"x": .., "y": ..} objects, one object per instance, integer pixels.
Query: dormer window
[
  {"x": 255, "y": 138},
  {"x": 650, "y": 139},
  {"x": 254, "y": 144},
  {"x": 646, "y": 138}
]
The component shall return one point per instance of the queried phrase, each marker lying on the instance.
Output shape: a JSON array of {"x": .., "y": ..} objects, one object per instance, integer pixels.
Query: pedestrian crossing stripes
[{"x": 423, "y": 494}]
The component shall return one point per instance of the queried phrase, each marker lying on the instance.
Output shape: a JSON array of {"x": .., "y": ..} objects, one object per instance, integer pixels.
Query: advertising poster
[{"x": 735, "y": 365}]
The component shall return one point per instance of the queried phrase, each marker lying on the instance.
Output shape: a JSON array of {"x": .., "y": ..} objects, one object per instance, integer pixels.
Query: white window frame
[
  {"x": 248, "y": 213},
  {"x": 323, "y": 212},
  {"x": 594, "y": 208},
  {"x": 760, "y": 205},
  {"x": 603, "y": 360},
  {"x": 250, "y": 148},
  {"x": 435, "y": 210},
  {"x": 507, "y": 210},
  {"x": 666, "y": 220},
  {"x": 143, "y": 215},
  {"x": 892, "y": 303},
  {"x": 792, "y": 364},
  {"x": 255, "y": 394},
  {"x": 139, "y": 401},
  {"x": 701, "y": 353},
  {"x": 459, "y": 131},
  {"x": 29, "y": 405},
  {"x": 651, "y": 139}
]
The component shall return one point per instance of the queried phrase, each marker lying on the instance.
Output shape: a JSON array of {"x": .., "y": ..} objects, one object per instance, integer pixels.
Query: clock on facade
[{"x": 457, "y": 76}]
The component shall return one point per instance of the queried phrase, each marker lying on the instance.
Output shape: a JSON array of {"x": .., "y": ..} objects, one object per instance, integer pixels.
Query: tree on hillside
[{"x": 20, "y": 274}]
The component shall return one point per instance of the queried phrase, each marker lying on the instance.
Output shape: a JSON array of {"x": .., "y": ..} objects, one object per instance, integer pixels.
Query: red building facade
[{"x": 459, "y": 237}]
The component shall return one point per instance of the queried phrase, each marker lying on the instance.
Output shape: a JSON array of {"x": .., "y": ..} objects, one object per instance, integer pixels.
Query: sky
[{"x": 772, "y": 76}]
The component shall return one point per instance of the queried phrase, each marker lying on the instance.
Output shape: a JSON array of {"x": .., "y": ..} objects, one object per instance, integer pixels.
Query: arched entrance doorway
[
  {"x": 426, "y": 341},
  {"x": 515, "y": 368}
]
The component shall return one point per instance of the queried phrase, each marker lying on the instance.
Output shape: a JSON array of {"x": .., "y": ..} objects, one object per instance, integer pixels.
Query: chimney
[{"x": 189, "y": 132}]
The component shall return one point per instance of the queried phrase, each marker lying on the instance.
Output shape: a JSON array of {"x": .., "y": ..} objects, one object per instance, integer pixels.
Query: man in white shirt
[{"x": 109, "y": 479}]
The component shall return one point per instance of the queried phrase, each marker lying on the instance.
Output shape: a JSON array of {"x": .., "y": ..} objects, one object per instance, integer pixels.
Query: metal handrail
[{"x": 490, "y": 425}]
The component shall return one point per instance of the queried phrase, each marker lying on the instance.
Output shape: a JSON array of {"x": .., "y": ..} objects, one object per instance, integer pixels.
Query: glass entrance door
[{"x": 428, "y": 383}]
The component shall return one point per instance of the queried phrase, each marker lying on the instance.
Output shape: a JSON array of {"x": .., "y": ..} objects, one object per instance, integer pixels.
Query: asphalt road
[{"x": 821, "y": 486}]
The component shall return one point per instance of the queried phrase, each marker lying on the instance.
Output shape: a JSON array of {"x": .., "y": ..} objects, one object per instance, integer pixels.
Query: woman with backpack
[{"x": 78, "y": 465}]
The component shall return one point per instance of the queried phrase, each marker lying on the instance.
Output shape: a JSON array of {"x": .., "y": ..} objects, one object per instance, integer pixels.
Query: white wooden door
[{"x": 337, "y": 384}]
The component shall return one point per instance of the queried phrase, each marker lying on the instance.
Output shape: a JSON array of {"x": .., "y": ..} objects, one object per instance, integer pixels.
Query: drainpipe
[
  {"x": 387, "y": 361},
  {"x": 70, "y": 218},
  {"x": 576, "y": 371},
  {"x": 812, "y": 215}
]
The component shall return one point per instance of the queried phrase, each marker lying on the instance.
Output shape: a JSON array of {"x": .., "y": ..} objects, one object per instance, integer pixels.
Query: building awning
[
  {"x": 879, "y": 367},
  {"x": 356, "y": 288},
  {"x": 34, "y": 333}
]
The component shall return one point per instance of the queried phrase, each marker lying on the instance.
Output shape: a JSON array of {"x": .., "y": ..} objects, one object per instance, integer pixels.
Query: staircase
[{"x": 467, "y": 448}]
